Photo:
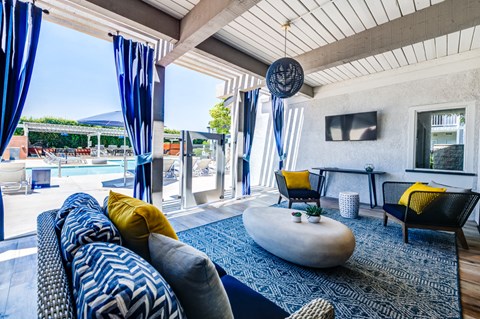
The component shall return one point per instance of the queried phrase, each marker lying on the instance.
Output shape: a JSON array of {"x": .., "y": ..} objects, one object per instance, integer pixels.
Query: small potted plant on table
[
  {"x": 313, "y": 213},
  {"x": 296, "y": 217}
]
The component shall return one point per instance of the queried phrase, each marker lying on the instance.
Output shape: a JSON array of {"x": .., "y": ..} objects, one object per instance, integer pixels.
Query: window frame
[{"x": 469, "y": 135}]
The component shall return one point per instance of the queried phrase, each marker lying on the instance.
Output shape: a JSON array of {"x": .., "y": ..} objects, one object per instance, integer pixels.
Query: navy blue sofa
[{"x": 56, "y": 300}]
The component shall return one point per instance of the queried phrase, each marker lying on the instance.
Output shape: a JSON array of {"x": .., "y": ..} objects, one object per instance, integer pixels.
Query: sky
[{"x": 74, "y": 77}]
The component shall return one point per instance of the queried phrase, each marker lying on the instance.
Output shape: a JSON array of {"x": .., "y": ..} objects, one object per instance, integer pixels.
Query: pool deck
[{"x": 21, "y": 210}]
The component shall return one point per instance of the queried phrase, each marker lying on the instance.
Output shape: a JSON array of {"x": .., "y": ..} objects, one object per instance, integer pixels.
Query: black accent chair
[
  {"x": 448, "y": 211},
  {"x": 300, "y": 195}
]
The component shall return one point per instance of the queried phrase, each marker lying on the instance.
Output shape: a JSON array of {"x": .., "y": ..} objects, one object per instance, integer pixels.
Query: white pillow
[
  {"x": 449, "y": 188},
  {"x": 192, "y": 276}
]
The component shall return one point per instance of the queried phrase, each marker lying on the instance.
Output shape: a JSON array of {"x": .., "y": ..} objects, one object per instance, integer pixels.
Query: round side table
[{"x": 349, "y": 204}]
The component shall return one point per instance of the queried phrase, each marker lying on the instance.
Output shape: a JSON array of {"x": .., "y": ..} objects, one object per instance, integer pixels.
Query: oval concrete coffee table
[{"x": 326, "y": 244}]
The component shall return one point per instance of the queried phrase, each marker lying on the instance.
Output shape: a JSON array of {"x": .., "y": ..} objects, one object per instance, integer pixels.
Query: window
[{"x": 442, "y": 137}]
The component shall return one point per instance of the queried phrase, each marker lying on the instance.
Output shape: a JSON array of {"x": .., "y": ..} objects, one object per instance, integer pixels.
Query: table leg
[
  {"x": 372, "y": 190},
  {"x": 323, "y": 187},
  {"x": 370, "y": 186}
]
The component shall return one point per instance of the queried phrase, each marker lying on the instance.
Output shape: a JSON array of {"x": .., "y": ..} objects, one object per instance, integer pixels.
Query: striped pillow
[
  {"x": 73, "y": 201},
  {"x": 110, "y": 281},
  {"x": 85, "y": 225}
]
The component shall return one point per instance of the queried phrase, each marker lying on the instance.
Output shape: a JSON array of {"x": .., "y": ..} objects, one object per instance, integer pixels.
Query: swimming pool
[{"x": 113, "y": 166}]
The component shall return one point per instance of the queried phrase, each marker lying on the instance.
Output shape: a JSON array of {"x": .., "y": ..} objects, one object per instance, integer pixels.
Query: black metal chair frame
[
  {"x": 316, "y": 182},
  {"x": 449, "y": 211}
]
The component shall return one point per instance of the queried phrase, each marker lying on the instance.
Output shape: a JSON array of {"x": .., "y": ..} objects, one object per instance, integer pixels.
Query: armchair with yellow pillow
[
  {"x": 299, "y": 186},
  {"x": 433, "y": 206}
]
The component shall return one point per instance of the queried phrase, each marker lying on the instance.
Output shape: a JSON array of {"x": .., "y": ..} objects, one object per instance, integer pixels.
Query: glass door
[{"x": 202, "y": 168}]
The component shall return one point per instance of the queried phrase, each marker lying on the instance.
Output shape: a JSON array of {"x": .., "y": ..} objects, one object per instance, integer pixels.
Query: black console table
[{"x": 371, "y": 180}]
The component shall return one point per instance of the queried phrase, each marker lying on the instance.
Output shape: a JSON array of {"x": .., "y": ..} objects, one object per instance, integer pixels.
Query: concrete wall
[
  {"x": 307, "y": 148},
  {"x": 19, "y": 142}
]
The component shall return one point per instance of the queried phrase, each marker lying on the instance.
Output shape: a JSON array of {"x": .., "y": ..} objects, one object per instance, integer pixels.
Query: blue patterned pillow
[
  {"x": 105, "y": 206},
  {"x": 110, "y": 281},
  {"x": 73, "y": 201},
  {"x": 83, "y": 226}
]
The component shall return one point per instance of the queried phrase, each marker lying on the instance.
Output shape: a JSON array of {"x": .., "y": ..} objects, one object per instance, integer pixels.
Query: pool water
[{"x": 114, "y": 166}]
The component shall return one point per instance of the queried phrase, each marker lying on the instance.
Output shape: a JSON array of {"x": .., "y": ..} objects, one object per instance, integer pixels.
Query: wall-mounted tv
[{"x": 351, "y": 127}]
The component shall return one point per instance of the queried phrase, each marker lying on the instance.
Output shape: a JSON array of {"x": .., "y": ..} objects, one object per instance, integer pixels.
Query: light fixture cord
[{"x": 286, "y": 29}]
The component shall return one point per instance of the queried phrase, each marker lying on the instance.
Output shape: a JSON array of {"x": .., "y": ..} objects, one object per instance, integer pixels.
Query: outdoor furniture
[
  {"x": 349, "y": 204},
  {"x": 112, "y": 150},
  {"x": 55, "y": 298},
  {"x": 169, "y": 167},
  {"x": 325, "y": 244},
  {"x": 300, "y": 195},
  {"x": 371, "y": 180},
  {"x": 13, "y": 177},
  {"x": 51, "y": 158},
  {"x": 201, "y": 167},
  {"x": 446, "y": 211}
]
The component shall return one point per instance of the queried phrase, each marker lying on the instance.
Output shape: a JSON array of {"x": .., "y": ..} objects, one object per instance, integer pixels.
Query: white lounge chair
[
  {"x": 201, "y": 167},
  {"x": 53, "y": 159},
  {"x": 169, "y": 167},
  {"x": 13, "y": 177}
]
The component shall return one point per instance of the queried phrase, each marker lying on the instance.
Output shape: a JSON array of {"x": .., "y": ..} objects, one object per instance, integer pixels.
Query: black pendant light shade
[{"x": 284, "y": 77}]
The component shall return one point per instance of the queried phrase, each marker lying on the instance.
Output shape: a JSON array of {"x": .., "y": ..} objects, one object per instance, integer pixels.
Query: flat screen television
[{"x": 351, "y": 127}]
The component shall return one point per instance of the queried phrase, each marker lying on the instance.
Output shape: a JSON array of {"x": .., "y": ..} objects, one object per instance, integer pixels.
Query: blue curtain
[
  {"x": 277, "y": 114},
  {"x": 19, "y": 32},
  {"x": 250, "y": 99},
  {"x": 134, "y": 63}
]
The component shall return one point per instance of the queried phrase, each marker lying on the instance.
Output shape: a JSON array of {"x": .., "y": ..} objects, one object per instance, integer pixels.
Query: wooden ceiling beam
[
  {"x": 434, "y": 21},
  {"x": 203, "y": 21},
  {"x": 219, "y": 50},
  {"x": 143, "y": 17}
]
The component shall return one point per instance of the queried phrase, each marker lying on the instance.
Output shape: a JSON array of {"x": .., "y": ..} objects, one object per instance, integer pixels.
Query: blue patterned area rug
[{"x": 384, "y": 278}]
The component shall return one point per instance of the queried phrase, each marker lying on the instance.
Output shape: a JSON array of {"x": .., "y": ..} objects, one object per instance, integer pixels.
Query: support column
[
  {"x": 158, "y": 135},
  {"x": 98, "y": 144},
  {"x": 237, "y": 145}
]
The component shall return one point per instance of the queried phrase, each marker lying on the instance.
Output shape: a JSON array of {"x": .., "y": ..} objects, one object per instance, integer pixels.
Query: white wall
[{"x": 307, "y": 148}]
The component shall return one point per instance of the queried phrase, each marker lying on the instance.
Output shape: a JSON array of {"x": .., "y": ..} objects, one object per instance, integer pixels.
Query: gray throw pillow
[
  {"x": 449, "y": 188},
  {"x": 192, "y": 276}
]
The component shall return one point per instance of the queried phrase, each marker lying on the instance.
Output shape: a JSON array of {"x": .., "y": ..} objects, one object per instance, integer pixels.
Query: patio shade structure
[{"x": 110, "y": 119}]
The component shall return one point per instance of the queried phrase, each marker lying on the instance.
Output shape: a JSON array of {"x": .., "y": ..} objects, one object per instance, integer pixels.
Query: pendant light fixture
[{"x": 285, "y": 76}]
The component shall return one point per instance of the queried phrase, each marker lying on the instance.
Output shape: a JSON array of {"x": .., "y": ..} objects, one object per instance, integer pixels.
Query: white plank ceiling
[{"x": 316, "y": 23}]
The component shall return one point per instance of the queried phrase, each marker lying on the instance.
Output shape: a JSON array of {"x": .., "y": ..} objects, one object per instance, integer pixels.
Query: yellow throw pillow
[
  {"x": 136, "y": 219},
  {"x": 418, "y": 203},
  {"x": 297, "y": 180}
]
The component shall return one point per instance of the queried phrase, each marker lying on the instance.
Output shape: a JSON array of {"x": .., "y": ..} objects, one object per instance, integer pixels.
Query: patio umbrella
[{"x": 114, "y": 119}]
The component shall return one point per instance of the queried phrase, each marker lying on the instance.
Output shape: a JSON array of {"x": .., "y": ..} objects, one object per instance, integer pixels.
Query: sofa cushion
[
  {"x": 110, "y": 281},
  {"x": 192, "y": 276},
  {"x": 297, "y": 180},
  {"x": 85, "y": 225},
  {"x": 136, "y": 219},
  {"x": 249, "y": 304},
  {"x": 303, "y": 193},
  {"x": 73, "y": 201},
  {"x": 418, "y": 203}
]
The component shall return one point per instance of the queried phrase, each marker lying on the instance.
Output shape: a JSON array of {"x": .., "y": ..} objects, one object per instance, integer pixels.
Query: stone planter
[
  {"x": 313, "y": 219},
  {"x": 296, "y": 219}
]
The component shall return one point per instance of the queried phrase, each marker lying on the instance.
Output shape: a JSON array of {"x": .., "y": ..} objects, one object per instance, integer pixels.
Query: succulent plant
[
  {"x": 296, "y": 214},
  {"x": 313, "y": 210}
]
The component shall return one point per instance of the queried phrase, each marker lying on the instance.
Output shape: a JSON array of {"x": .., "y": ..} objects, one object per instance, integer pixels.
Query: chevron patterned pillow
[
  {"x": 73, "y": 201},
  {"x": 110, "y": 281},
  {"x": 85, "y": 225}
]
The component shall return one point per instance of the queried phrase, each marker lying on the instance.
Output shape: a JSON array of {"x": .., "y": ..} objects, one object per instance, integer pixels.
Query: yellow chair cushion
[
  {"x": 136, "y": 219},
  {"x": 297, "y": 180},
  {"x": 418, "y": 203}
]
